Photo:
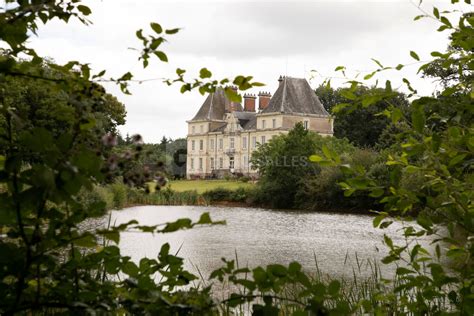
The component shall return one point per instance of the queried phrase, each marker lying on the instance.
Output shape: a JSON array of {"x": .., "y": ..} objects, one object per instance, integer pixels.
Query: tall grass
[{"x": 361, "y": 290}]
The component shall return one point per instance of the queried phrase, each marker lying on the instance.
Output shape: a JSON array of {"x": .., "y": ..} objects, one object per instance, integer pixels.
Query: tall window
[
  {"x": 221, "y": 163},
  {"x": 212, "y": 144},
  {"x": 231, "y": 162},
  {"x": 201, "y": 144},
  {"x": 263, "y": 124},
  {"x": 193, "y": 129},
  {"x": 221, "y": 144},
  {"x": 274, "y": 123},
  {"x": 232, "y": 143},
  {"x": 245, "y": 161},
  {"x": 192, "y": 163},
  {"x": 193, "y": 145},
  {"x": 200, "y": 163},
  {"x": 212, "y": 163},
  {"x": 305, "y": 124},
  {"x": 244, "y": 142},
  {"x": 201, "y": 129},
  {"x": 254, "y": 141},
  {"x": 263, "y": 140}
]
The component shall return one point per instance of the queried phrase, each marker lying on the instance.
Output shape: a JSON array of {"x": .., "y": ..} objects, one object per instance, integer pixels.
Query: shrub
[{"x": 120, "y": 194}]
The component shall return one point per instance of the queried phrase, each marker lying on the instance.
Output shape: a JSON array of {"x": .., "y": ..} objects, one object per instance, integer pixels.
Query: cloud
[{"x": 261, "y": 38}]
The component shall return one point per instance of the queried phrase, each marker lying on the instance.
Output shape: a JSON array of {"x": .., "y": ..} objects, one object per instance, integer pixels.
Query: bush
[
  {"x": 245, "y": 179},
  {"x": 120, "y": 194},
  {"x": 321, "y": 191}
]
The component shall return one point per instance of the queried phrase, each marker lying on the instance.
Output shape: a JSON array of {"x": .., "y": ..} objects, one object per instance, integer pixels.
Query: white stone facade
[{"x": 216, "y": 147}]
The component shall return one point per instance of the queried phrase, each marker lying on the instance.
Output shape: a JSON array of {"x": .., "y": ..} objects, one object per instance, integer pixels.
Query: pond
[{"x": 260, "y": 237}]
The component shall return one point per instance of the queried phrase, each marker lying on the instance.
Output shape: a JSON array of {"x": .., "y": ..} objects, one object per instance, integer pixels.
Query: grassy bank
[
  {"x": 201, "y": 186},
  {"x": 183, "y": 192}
]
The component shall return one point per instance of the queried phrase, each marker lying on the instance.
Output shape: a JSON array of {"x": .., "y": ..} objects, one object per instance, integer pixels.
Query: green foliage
[
  {"x": 361, "y": 124},
  {"x": 286, "y": 169},
  {"x": 221, "y": 194},
  {"x": 430, "y": 184}
]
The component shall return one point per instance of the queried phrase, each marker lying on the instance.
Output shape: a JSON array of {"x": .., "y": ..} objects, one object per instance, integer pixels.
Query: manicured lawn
[{"x": 205, "y": 185}]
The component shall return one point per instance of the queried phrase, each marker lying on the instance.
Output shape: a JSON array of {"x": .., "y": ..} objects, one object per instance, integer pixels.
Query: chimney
[
  {"x": 249, "y": 102},
  {"x": 280, "y": 80},
  {"x": 263, "y": 100},
  {"x": 233, "y": 105}
]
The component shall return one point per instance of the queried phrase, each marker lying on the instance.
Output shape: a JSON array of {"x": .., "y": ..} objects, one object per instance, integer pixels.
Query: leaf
[
  {"x": 436, "y": 12},
  {"x": 334, "y": 287},
  {"x": 156, "y": 27},
  {"x": 414, "y": 55},
  {"x": 418, "y": 117},
  {"x": 457, "y": 159},
  {"x": 84, "y": 9},
  {"x": 378, "y": 219},
  {"x": 204, "y": 73},
  {"x": 205, "y": 219},
  {"x": 315, "y": 158},
  {"x": 377, "y": 62},
  {"x": 162, "y": 56},
  {"x": 172, "y": 31}
]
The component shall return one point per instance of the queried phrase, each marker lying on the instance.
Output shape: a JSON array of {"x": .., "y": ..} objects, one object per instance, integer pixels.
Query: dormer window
[
  {"x": 201, "y": 128},
  {"x": 263, "y": 124},
  {"x": 305, "y": 124},
  {"x": 193, "y": 130}
]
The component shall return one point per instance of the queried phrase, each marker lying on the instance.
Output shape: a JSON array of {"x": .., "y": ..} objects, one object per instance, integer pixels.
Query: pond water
[{"x": 260, "y": 237}]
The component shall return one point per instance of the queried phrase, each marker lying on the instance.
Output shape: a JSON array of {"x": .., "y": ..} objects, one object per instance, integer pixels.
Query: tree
[
  {"x": 284, "y": 166},
  {"x": 363, "y": 125}
]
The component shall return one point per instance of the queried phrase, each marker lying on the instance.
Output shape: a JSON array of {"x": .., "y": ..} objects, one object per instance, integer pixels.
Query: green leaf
[
  {"x": 334, "y": 287},
  {"x": 162, "y": 56},
  {"x": 156, "y": 27},
  {"x": 204, "y": 73},
  {"x": 457, "y": 159},
  {"x": 84, "y": 9},
  {"x": 414, "y": 55},
  {"x": 418, "y": 117},
  {"x": 205, "y": 219},
  {"x": 436, "y": 12},
  {"x": 277, "y": 270},
  {"x": 172, "y": 31}
]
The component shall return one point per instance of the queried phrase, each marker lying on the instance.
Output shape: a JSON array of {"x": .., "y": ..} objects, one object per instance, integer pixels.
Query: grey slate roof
[
  {"x": 247, "y": 120},
  {"x": 294, "y": 95},
  {"x": 215, "y": 106}
]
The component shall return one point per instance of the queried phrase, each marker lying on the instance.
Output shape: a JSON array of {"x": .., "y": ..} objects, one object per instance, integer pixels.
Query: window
[
  {"x": 192, "y": 163},
  {"x": 232, "y": 143},
  {"x": 212, "y": 144},
  {"x": 254, "y": 141},
  {"x": 201, "y": 144},
  {"x": 193, "y": 145},
  {"x": 201, "y": 129},
  {"x": 231, "y": 163},
  {"x": 274, "y": 123},
  {"x": 263, "y": 140},
  {"x": 200, "y": 163},
  {"x": 212, "y": 163},
  {"x": 305, "y": 124},
  {"x": 245, "y": 161},
  {"x": 221, "y": 144},
  {"x": 244, "y": 142},
  {"x": 221, "y": 163},
  {"x": 193, "y": 130},
  {"x": 263, "y": 124}
]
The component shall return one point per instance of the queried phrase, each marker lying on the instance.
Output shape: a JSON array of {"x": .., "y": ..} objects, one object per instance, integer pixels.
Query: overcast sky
[{"x": 260, "y": 38}]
